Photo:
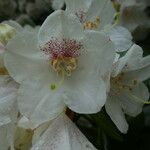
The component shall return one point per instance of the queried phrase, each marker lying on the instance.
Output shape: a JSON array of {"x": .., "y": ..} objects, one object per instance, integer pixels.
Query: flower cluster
[{"x": 78, "y": 59}]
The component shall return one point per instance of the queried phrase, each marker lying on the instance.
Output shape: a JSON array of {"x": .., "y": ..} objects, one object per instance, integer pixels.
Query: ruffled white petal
[
  {"x": 102, "y": 8},
  {"x": 132, "y": 102},
  {"x": 85, "y": 89},
  {"x": 131, "y": 60},
  {"x": 8, "y": 111},
  {"x": 23, "y": 59},
  {"x": 88, "y": 10},
  {"x": 60, "y": 25},
  {"x": 122, "y": 38},
  {"x": 78, "y": 6},
  {"x": 38, "y": 103},
  {"x": 86, "y": 96},
  {"x": 63, "y": 134},
  {"x": 8, "y": 101},
  {"x": 140, "y": 74},
  {"x": 114, "y": 110},
  {"x": 103, "y": 47}
]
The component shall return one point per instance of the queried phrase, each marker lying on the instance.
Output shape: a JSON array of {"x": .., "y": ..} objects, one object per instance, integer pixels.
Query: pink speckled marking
[
  {"x": 64, "y": 47},
  {"x": 81, "y": 15}
]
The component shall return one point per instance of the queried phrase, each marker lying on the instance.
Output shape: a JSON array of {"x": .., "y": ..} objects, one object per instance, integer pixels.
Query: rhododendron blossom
[{"x": 62, "y": 66}]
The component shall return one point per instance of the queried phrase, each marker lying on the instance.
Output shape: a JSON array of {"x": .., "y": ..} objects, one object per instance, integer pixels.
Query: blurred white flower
[
  {"x": 127, "y": 91},
  {"x": 94, "y": 14},
  {"x": 63, "y": 134},
  {"x": 133, "y": 15},
  {"x": 62, "y": 67},
  {"x": 8, "y": 111}
]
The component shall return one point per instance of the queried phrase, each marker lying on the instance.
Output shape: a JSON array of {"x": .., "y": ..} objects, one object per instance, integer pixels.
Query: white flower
[
  {"x": 8, "y": 111},
  {"x": 127, "y": 92},
  {"x": 63, "y": 134},
  {"x": 98, "y": 15},
  {"x": 65, "y": 70},
  {"x": 94, "y": 14},
  {"x": 133, "y": 15}
]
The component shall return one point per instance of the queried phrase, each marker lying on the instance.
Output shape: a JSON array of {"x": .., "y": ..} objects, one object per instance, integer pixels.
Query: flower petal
[
  {"x": 38, "y": 103},
  {"x": 139, "y": 74},
  {"x": 114, "y": 110},
  {"x": 63, "y": 133},
  {"x": 8, "y": 101},
  {"x": 132, "y": 106},
  {"x": 122, "y": 38},
  {"x": 78, "y": 6},
  {"x": 88, "y": 93},
  {"x": 23, "y": 59},
  {"x": 131, "y": 61},
  {"x": 60, "y": 25},
  {"x": 102, "y": 8},
  {"x": 102, "y": 47}
]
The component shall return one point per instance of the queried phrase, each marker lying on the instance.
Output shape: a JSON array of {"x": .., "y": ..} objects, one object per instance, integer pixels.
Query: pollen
[
  {"x": 92, "y": 25},
  {"x": 64, "y": 65},
  {"x": 119, "y": 84},
  {"x": 63, "y": 55},
  {"x": 3, "y": 71}
]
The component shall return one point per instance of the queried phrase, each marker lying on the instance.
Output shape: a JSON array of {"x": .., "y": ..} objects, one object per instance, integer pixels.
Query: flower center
[
  {"x": 119, "y": 85},
  {"x": 87, "y": 24},
  {"x": 63, "y": 55},
  {"x": 92, "y": 24},
  {"x": 64, "y": 65}
]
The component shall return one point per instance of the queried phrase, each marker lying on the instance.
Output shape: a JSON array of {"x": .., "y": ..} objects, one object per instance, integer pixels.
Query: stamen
[
  {"x": 137, "y": 99},
  {"x": 64, "y": 65},
  {"x": 63, "y": 55},
  {"x": 92, "y": 25},
  {"x": 119, "y": 85}
]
